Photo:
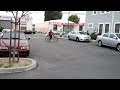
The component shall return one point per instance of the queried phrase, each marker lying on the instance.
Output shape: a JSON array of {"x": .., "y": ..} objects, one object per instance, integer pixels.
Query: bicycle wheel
[
  {"x": 55, "y": 39},
  {"x": 47, "y": 38}
]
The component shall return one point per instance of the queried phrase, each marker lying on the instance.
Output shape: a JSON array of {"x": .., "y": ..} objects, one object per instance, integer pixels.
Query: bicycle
[{"x": 54, "y": 38}]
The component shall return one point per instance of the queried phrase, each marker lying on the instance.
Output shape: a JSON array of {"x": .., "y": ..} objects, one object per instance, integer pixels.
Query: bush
[
  {"x": 1, "y": 64},
  {"x": 93, "y": 36},
  {"x": 1, "y": 28},
  {"x": 88, "y": 33}
]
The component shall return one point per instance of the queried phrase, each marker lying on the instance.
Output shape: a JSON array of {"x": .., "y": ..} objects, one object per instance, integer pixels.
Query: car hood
[
  {"x": 83, "y": 36},
  {"x": 4, "y": 42}
]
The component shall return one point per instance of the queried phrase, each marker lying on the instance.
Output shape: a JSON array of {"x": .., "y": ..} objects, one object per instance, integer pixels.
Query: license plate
[{"x": 15, "y": 52}]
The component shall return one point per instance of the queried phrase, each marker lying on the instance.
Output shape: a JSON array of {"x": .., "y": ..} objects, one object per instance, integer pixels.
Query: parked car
[
  {"x": 109, "y": 39},
  {"x": 28, "y": 31},
  {"x": 5, "y": 44},
  {"x": 78, "y": 36}
]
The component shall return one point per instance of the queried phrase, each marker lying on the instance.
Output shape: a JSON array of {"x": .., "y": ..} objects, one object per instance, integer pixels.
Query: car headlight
[
  {"x": 5, "y": 48},
  {"x": 24, "y": 48}
]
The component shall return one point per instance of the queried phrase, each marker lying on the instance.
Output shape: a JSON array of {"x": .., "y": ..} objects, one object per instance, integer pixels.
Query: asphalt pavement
[{"x": 67, "y": 59}]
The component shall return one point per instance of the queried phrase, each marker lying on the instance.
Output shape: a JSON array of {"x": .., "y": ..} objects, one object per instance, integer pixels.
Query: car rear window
[
  {"x": 7, "y": 35},
  {"x": 105, "y": 35}
]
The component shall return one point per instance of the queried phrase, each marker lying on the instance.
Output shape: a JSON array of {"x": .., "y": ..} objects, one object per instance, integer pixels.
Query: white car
[
  {"x": 109, "y": 39},
  {"x": 78, "y": 36}
]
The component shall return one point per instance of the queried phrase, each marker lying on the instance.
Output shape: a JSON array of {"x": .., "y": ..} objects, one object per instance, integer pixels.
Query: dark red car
[{"x": 5, "y": 44}]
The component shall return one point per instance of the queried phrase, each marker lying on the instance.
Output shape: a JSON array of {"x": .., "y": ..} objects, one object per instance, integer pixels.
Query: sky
[{"x": 38, "y": 16}]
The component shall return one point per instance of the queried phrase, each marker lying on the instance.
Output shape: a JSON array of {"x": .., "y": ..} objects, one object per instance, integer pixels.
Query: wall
[
  {"x": 95, "y": 19},
  {"x": 76, "y": 28},
  {"x": 29, "y": 25}
]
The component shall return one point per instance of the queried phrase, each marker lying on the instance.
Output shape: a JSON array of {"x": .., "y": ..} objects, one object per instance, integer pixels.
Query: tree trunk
[
  {"x": 10, "y": 43},
  {"x": 15, "y": 37},
  {"x": 18, "y": 42}
]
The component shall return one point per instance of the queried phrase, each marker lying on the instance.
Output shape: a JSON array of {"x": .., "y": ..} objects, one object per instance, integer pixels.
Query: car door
[
  {"x": 72, "y": 35},
  {"x": 105, "y": 38},
  {"x": 112, "y": 41}
]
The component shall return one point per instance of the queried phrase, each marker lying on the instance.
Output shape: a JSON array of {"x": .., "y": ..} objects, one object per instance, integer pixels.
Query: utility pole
[{"x": 68, "y": 18}]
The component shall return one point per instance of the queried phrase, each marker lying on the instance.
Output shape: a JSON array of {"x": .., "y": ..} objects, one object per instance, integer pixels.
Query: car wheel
[
  {"x": 77, "y": 39},
  {"x": 118, "y": 47},
  {"x": 69, "y": 37},
  {"x": 99, "y": 43}
]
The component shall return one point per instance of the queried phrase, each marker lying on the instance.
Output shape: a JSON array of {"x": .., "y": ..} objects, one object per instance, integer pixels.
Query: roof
[{"x": 60, "y": 21}]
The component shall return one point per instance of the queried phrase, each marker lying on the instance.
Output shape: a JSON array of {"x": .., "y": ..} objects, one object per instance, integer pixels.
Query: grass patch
[
  {"x": 5, "y": 65},
  {"x": 26, "y": 64}
]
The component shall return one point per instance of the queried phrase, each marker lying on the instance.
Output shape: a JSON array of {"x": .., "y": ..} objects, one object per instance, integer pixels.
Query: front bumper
[
  {"x": 87, "y": 40},
  {"x": 21, "y": 52}
]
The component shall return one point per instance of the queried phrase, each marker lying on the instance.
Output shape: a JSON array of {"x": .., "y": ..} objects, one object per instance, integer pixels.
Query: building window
[
  {"x": 90, "y": 25},
  {"x": 107, "y": 11},
  {"x": 102, "y": 12},
  {"x": 94, "y": 12},
  {"x": 107, "y": 28},
  {"x": 117, "y": 28},
  {"x": 55, "y": 27},
  {"x": 100, "y": 28},
  {"x": 23, "y": 28}
]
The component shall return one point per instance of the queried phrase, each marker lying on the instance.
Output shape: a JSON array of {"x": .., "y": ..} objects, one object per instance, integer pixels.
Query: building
[
  {"x": 102, "y": 21},
  {"x": 57, "y": 25},
  {"x": 25, "y": 24}
]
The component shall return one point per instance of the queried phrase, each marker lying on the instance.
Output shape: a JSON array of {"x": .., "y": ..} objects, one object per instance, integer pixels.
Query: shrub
[
  {"x": 1, "y": 28},
  {"x": 88, "y": 33},
  {"x": 93, "y": 36}
]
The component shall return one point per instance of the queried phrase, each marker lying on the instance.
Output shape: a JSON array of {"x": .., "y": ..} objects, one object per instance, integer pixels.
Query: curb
[
  {"x": 19, "y": 69},
  {"x": 93, "y": 40}
]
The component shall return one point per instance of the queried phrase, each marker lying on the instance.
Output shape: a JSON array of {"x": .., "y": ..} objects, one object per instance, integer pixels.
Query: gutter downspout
[{"x": 112, "y": 24}]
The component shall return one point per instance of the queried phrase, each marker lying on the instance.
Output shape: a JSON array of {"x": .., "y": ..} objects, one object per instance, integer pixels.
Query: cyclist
[{"x": 50, "y": 33}]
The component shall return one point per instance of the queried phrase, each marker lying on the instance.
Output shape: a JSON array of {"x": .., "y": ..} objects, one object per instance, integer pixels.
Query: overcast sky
[{"x": 38, "y": 16}]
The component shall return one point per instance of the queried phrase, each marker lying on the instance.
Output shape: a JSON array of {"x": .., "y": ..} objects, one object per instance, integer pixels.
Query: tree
[
  {"x": 52, "y": 15},
  {"x": 16, "y": 22},
  {"x": 74, "y": 18}
]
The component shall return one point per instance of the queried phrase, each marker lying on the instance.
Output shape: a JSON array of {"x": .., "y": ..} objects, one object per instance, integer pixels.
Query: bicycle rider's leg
[{"x": 50, "y": 37}]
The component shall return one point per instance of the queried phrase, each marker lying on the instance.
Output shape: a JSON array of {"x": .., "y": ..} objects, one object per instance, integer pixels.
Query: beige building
[{"x": 58, "y": 25}]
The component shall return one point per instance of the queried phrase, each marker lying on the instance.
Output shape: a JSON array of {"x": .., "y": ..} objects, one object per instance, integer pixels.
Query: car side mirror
[
  {"x": 115, "y": 38},
  {"x": 28, "y": 38}
]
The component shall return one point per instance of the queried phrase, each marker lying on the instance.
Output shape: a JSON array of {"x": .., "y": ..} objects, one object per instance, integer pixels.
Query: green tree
[
  {"x": 52, "y": 15},
  {"x": 74, "y": 18}
]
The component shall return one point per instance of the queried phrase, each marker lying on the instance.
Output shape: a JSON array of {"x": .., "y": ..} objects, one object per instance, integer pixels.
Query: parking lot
[{"x": 70, "y": 59}]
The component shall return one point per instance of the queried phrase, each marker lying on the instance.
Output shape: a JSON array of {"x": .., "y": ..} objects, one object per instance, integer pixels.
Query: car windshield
[
  {"x": 118, "y": 35},
  {"x": 7, "y": 36},
  {"x": 81, "y": 33}
]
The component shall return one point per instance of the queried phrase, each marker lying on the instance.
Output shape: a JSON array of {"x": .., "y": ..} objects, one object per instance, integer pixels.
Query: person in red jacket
[{"x": 50, "y": 33}]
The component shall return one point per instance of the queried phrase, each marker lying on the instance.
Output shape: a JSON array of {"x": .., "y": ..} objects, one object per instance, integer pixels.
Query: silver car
[
  {"x": 109, "y": 39},
  {"x": 78, "y": 36}
]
